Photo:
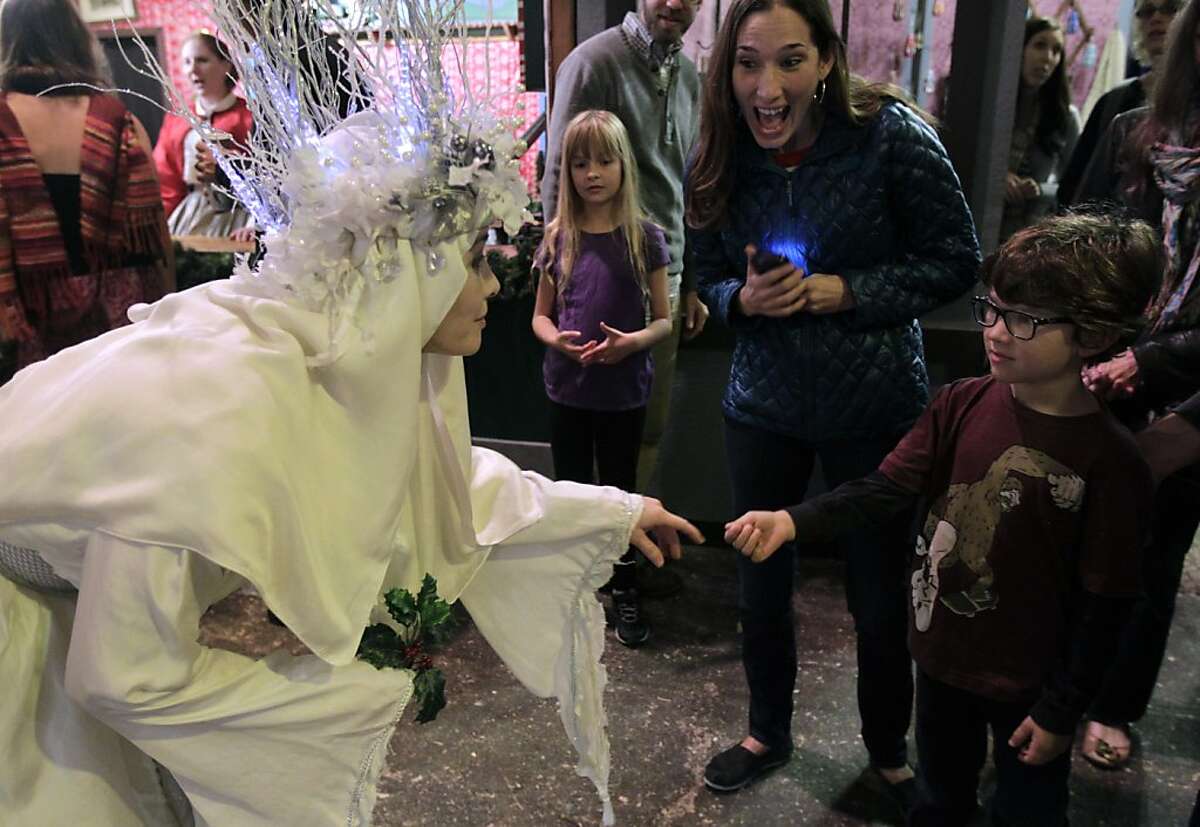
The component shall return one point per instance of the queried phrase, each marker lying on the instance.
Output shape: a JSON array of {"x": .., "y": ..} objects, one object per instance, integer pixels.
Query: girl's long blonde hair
[{"x": 595, "y": 133}]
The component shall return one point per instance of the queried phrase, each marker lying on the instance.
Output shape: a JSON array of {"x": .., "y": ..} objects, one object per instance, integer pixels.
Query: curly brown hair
[{"x": 1100, "y": 269}]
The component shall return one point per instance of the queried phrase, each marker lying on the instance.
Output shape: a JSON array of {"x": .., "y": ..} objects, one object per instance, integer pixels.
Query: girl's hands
[
  {"x": 616, "y": 346},
  {"x": 564, "y": 343},
  {"x": 666, "y": 527},
  {"x": 759, "y": 534}
]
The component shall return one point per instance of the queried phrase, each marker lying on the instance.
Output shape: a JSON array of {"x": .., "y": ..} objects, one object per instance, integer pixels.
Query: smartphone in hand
[{"x": 765, "y": 260}]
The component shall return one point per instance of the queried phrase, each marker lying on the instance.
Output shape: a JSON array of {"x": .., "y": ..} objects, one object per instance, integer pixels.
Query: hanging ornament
[
  {"x": 930, "y": 84},
  {"x": 1073, "y": 21},
  {"x": 894, "y": 72},
  {"x": 899, "y": 9},
  {"x": 910, "y": 45},
  {"x": 1090, "y": 55},
  {"x": 939, "y": 8}
]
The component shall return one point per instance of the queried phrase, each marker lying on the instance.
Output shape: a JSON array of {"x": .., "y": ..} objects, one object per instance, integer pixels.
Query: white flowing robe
[
  {"x": 283, "y": 740},
  {"x": 221, "y": 439}
]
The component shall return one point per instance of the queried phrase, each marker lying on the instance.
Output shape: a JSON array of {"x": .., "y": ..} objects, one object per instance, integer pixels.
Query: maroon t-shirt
[
  {"x": 603, "y": 287},
  {"x": 1025, "y": 508}
]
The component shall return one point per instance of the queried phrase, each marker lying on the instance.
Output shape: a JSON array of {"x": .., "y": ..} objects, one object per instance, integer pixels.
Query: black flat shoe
[
  {"x": 737, "y": 766},
  {"x": 903, "y": 793}
]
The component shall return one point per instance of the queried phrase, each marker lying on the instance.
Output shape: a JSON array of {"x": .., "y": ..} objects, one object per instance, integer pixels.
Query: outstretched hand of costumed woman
[{"x": 665, "y": 528}]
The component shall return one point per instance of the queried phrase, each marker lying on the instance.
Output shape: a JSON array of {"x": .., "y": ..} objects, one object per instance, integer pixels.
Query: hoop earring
[{"x": 819, "y": 97}]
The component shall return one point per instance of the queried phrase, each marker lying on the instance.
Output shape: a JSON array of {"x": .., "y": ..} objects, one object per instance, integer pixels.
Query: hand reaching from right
[{"x": 759, "y": 534}]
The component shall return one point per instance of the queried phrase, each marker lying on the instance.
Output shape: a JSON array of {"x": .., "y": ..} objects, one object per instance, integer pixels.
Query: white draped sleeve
[
  {"x": 283, "y": 740},
  {"x": 534, "y": 600}
]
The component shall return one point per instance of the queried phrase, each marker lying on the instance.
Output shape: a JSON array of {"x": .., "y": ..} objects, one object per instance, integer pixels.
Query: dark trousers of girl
[
  {"x": 952, "y": 739},
  {"x": 609, "y": 441},
  {"x": 771, "y": 471},
  {"x": 1130, "y": 683}
]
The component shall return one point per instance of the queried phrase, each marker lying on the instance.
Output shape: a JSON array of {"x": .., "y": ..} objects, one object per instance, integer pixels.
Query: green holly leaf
[
  {"x": 402, "y": 606},
  {"x": 435, "y": 613},
  {"x": 429, "y": 691},
  {"x": 381, "y": 647}
]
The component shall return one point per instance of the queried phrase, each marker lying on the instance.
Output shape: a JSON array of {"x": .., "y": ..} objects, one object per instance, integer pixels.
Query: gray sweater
[{"x": 605, "y": 72}]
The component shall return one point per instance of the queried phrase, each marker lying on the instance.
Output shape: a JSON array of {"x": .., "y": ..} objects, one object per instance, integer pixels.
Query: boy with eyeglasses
[{"x": 1027, "y": 560}]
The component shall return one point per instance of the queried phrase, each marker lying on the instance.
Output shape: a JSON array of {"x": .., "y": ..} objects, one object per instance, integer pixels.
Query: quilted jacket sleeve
[
  {"x": 717, "y": 279},
  {"x": 939, "y": 252}
]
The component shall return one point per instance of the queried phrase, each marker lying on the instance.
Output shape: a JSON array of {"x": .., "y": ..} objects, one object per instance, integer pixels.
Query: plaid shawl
[{"x": 41, "y": 299}]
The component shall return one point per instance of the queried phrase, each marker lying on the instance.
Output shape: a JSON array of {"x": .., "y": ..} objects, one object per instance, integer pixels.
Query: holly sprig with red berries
[{"x": 425, "y": 621}]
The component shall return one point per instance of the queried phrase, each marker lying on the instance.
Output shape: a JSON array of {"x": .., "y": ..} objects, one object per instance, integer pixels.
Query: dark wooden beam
[{"x": 981, "y": 104}]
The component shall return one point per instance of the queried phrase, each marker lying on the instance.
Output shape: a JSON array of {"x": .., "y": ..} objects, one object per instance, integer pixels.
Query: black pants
[
  {"x": 952, "y": 737},
  {"x": 1130, "y": 683},
  {"x": 609, "y": 441},
  {"x": 770, "y": 471}
]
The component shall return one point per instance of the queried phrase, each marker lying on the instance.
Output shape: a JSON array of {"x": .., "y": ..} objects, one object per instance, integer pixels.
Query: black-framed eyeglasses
[
  {"x": 1167, "y": 7},
  {"x": 1019, "y": 323}
]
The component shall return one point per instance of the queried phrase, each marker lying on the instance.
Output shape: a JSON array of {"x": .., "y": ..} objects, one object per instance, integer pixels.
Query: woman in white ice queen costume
[{"x": 301, "y": 428}]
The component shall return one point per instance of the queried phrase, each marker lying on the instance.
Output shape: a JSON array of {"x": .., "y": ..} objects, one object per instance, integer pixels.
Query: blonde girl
[{"x": 602, "y": 275}]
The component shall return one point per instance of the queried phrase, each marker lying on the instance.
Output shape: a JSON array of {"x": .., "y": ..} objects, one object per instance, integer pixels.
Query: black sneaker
[
  {"x": 737, "y": 766},
  {"x": 631, "y": 626}
]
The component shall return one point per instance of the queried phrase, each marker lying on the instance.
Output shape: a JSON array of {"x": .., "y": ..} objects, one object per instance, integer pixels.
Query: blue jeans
[
  {"x": 952, "y": 736},
  {"x": 771, "y": 471}
]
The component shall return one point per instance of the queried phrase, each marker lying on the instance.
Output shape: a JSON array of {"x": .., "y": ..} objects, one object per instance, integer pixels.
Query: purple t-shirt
[{"x": 603, "y": 287}]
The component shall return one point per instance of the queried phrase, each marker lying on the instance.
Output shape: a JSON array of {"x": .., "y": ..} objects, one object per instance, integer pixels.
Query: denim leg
[
  {"x": 1131, "y": 679},
  {"x": 1026, "y": 796},
  {"x": 951, "y": 749},
  {"x": 877, "y": 563},
  {"x": 767, "y": 471}
]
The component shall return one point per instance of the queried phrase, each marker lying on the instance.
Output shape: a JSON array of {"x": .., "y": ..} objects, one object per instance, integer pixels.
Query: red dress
[{"x": 168, "y": 151}]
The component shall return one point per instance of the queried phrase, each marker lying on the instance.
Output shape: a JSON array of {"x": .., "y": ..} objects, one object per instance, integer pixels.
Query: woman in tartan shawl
[
  {"x": 82, "y": 233},
  {"x": 1160, "y": 163}
]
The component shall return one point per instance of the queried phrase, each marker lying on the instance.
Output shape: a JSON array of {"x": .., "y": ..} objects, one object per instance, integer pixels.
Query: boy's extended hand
[
  {"x": 1035, "y": 745},
  {"x": 759, "y": 534}
]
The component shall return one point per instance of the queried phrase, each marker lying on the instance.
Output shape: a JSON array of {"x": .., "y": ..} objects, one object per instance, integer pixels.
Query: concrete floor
[{"x": 498, "y": 756}]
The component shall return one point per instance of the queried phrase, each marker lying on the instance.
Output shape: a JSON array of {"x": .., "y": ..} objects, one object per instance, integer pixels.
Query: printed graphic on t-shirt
[{"x": 961, "y": 526}]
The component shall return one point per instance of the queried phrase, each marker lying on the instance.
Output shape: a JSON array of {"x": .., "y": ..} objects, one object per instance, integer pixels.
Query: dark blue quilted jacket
[{"x": 879, "y": 205}]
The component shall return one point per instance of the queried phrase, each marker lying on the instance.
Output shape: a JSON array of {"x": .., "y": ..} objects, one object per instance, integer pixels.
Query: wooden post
[
  {"x": 560, "y": 39},
  {"x": 977, "y": 130}
]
